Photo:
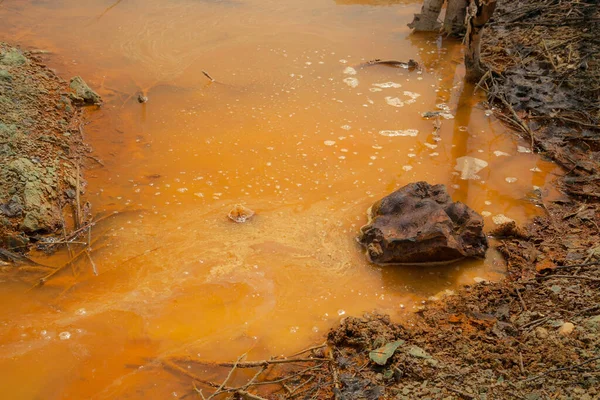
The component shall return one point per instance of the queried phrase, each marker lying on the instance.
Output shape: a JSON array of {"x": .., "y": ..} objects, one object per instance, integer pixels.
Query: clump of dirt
[
  {"x": 531, "y": 338},
  {"x": 41, "y": 148}
]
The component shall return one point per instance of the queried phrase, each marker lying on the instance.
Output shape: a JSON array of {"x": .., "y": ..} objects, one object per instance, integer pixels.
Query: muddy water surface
[{"x": 294, "y": 127}]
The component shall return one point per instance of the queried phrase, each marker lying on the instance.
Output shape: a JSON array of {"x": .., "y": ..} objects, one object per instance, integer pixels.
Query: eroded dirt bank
[{"x": 42, "y": 152}]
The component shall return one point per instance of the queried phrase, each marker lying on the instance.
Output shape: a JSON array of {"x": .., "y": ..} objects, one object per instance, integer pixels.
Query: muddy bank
[
  {"x": 42, "y": 151},
  {"x": 543, "y": 61}
]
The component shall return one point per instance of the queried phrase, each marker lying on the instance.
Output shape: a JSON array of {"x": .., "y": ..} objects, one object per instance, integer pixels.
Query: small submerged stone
[{"x": 240, "y": 214}]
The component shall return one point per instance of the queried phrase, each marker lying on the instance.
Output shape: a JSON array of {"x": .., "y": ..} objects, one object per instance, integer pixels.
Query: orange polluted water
[{"x": 293, "y": 128}]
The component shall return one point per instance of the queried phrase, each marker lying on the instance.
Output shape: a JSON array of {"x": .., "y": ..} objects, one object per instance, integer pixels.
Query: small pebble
[
  {"x": 541, "y": 333},
  {"x": 566, "y": 329}
]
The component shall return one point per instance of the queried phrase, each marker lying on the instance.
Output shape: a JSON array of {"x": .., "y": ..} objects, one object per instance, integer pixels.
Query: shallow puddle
[{"x": 295, "y": 127}]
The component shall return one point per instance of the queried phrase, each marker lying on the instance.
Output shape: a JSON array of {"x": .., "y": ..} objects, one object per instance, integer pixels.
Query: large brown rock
[{"x": 419, "y": 224}]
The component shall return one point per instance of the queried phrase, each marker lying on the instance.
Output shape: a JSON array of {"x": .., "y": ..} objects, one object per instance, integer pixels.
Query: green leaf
[{"x": 382, "y": 354}]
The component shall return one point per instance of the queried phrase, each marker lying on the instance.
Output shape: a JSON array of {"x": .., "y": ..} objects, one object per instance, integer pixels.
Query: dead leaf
[{"x": 382, "y": 354}]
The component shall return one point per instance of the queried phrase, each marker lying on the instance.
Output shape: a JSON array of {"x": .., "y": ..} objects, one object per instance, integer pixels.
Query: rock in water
[
  {"x": 240, "y": 214},
  {"x": 419, "y": 224},
  {"x": 82, "y": 93}
]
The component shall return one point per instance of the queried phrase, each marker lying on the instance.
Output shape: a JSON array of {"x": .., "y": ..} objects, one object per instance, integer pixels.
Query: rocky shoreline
[{"x": 42, "y": 151}]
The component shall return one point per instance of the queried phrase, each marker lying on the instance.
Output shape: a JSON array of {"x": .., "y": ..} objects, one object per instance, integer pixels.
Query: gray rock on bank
[
  {"x": 420, "y": 224},
  {"x": 82, "y": 93}
]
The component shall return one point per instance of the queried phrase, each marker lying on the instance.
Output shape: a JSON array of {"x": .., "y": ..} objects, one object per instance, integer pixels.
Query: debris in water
[
  {"x": 434, "y": 114},
  {"x": 240, "y": 214},
  {"x": 208, "y": 76},
  {"x": 400, "y": 132},
  {"x": 469, "y": 167},
  {"x": 352, "y": 82},
  {"x": 141, "y": 98},
  {"x": 522, "y": 149}
]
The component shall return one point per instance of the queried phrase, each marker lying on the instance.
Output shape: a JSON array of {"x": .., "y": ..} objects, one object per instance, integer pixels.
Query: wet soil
[{"x": 42, "y": 151}]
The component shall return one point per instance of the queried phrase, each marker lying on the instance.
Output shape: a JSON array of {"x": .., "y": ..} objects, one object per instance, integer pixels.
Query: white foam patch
[
  {"x": 412, "y": 95},
  {"x": 469, "y": 167},
  {"x": 510, "y": 179},
  {"x": 329, "y": 142},
  {"x": 352, "y": 82},
  {"x": 394, "y": 101},
  {"x": 400, "y": 132},
  {"x": 407, "y": 167},
  {"x": 499, "y": 153},
  {"x": 386, "y": 85},
  {"x": 350, "y": 71},
  {"x": 501, "y": 219}
]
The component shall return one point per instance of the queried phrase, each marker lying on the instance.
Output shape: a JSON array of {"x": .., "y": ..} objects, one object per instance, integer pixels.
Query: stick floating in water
[{"x": 208, "y": 76}]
